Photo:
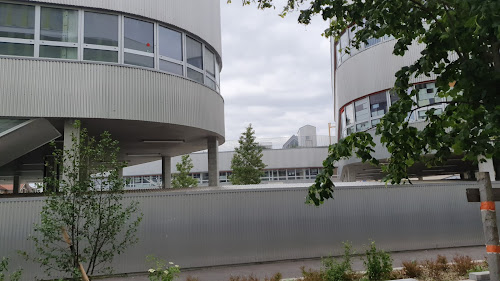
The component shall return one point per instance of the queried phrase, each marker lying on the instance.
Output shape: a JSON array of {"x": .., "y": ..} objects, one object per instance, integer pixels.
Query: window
[
  {"x": 344, "y": 41},
  {"x": 195, "y": 75},
  {"x": 427, "y": 94},
  {"x": 139, "y": 35},
  {"x": 14, "y": 49},
  {"x": 101, "y": 29},
  {"x": 362, "y": 126},
  {"x": 17, "y": 21},
  {"x": 378, "y": 104},
  {"x": 210, "y": 83},
  {"x": 362, "y": 111},
  {"x": 100, "y": 37},
  {"x": 393, "y": 96},
  {"x": 171, "y": 67},
  {"x": 193, "y": 53},
  {"x": 58, "y": 52},
  {"x": 59, "y": 25},
  {"x": 139, "y": 60},
  {"x": 170, "y": 43},
  {"x": 100, "y": 55},
  {"x": 372, "y": 41},
  {"x": 349, "y": 115},
  {"x": 210, "y": 62}
]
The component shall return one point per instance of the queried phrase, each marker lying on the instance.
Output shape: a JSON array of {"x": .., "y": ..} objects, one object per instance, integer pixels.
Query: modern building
[
  {"x": 146, "y": 71},
  {"x": 288, "y": 164},
  {"x": 362, "y": 82},
  {"x": 294, "y": 165}
]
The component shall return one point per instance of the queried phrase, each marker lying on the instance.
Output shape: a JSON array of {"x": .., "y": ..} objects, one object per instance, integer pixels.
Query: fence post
[{"x": 489, "y": 217}]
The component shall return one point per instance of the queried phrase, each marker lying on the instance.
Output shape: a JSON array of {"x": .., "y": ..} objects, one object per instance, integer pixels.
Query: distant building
[{"x": 306, "y": 137}]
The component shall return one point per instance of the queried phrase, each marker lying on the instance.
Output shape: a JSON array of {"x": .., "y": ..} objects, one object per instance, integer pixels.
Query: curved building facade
[
  {"x": 362, "y": 82},
  {"x": 146, "y": 71}
]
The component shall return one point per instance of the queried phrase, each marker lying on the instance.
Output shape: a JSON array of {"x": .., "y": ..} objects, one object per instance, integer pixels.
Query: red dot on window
[{"x": 148, "y": 44}]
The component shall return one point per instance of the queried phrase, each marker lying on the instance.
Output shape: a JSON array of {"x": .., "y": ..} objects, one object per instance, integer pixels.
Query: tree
[
  {"x": 247, "y": 162},
  {"x": 461, "y": 45},
  {"x": 183, "y": 179},
  {"x": 89, "y": 206}
]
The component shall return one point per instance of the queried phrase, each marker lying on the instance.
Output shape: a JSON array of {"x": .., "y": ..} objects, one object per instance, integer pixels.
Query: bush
[
  {"x": 161, "y": 271},
  {"x": 397, "y": 274},
  {"x": 435, "y": 269},
  {"x": 378, "y": 264},
  {"x": 240, "y": 278},
  {"x": 462, "y": 264},
  {"x": 342, "y": 271},
  {"x": 191, "y": 278},
  {"x": 412, "y": 269},
  {"x": 311, "y": 275}
]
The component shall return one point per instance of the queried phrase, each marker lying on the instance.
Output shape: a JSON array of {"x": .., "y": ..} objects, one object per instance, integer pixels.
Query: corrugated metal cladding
[
  {"x": 42, "y": 88},
  {"x": 373, "y": 70},
  {"x": 220, "y": 227},
  {"x": 200, "y": 17}
]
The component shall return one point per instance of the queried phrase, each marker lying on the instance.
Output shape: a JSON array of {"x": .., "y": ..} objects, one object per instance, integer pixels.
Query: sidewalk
[{"x": 290, "y": 269}]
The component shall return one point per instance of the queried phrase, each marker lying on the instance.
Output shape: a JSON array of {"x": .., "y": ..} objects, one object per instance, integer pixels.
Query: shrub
[
  {"x": 311, "y": 275},
  {"x": 342, "y": 271},
  {"x": 243, "y": 278},
  {"x": 434, "y": 269},
  {"x": 191, "y": 278},
  {"x": 397, "y": 274},
  {"x": 161, "y": 271},
  {"x": 378, "y": 264},
  {"x": 412, "y": 269},
  {"x": 462, "y": 264},
  {"x": 442, "y": 262},
  {"x": 275, "y": 277},
  {"x": 4, "y": 268}
]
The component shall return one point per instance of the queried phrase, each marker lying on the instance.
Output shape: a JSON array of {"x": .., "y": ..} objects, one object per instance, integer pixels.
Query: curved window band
[{"x": 106, "y": 38}]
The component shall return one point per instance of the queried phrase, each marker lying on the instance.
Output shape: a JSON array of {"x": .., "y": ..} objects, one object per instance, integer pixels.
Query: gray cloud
[{"x": 276, "y": 73}]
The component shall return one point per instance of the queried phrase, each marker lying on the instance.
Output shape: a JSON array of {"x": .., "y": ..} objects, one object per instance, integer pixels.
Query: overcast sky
[{"x": 276, "y": 72}]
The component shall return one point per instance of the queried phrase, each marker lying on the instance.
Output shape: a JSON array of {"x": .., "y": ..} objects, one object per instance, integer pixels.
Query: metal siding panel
[
  {"x": 40, "y": 88},
  {"x": 218, "y": 227},
  {"x": 200, "y": 17}
]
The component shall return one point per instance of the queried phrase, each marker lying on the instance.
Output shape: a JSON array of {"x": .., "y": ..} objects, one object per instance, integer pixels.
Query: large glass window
[
  {"x": 101, "y": 29},
  {"x": 362, "y": 110},
  {"x": 17, "y": 21},
  {"x": 194, "y": 53},
  {"x": 13, "y": 49},
  {"x": 170, "y": 43},
  {"x": 139, "y": 35},
  {"x": 372, "y": 41},
  {"x": 378, "y": 104},
  {"x": 59, "y": 25},
  {"x": 195, "y": 75}
]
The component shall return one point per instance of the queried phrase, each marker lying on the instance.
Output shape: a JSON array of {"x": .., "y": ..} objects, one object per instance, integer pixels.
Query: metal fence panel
[{"x": 228, "y": 226}]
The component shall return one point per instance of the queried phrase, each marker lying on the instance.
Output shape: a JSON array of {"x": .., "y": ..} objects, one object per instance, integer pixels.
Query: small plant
[
  {"x": 412, "y": 269},
  {"x": 244, "y": 278},
  {"x": 191, "y": 278},
  {"x": 275, "y": 277},
  {"x": 161, "y": 271},
  {"x": 4, "y": 268},
  {"x": 378, "y": 264},
  {"x": 342, "y": 271},
  {"x": 442, "y": 262},
  {"x": 462, "y": 264},
  {"x": 478, "y": 268},
  {"x": 311, "y": 275},
  {"x": 397, "y": 274}
]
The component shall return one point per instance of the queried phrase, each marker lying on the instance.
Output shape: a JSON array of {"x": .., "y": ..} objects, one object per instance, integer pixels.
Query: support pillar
[
  {"x": 487, "y": 167},
  {"x": 166, "y": 173},
  {"x": 213, "y": 166},
  {"x": 71, "y": 139},
  {"x": 16, "y": 185},
  {"x": 489, "y": 217}
]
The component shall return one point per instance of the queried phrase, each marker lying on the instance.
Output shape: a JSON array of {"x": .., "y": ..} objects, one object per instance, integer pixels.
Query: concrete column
[
  {"x": 16, "y": 185},
  {"x": 487, "y": 167},
  {"x": 166, "y": 173},
  {"x": 213, "y": 165},
  {"x": 71, "y": 139},
  {"x": 351, "y": 175}
]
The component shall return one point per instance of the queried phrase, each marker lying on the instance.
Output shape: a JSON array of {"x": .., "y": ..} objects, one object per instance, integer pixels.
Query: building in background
[
  {"x": 299, "y": 164},
  {"x": 306, "y": 137},
  {"x": 362, "y": 82},
  {"x": 146, "y": 71}
]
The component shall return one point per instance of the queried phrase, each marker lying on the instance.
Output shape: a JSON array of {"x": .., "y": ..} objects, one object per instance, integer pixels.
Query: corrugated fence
[{"x": 232, "y": 226}]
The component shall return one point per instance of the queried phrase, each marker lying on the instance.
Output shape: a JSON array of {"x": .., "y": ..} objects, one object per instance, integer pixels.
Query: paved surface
[{"x": 290, "y": 269}]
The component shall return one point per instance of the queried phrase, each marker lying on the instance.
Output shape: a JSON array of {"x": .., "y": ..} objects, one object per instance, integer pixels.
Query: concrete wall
[{"x": 209, "y": 227}]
